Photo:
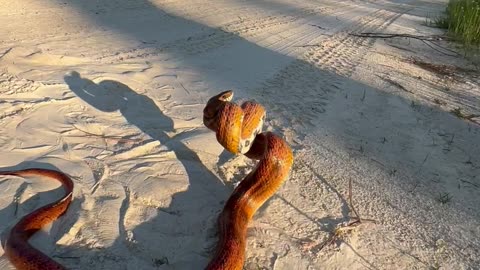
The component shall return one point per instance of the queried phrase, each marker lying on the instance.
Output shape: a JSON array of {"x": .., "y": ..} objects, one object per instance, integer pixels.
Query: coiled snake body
[
  {"x": 235, "y": 126},
  {"x": 238, "y": 130}
]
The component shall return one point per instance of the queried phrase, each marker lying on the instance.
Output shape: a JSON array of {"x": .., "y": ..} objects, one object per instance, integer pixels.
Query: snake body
[
  {"x": 17, "y": 249},
  {"x": 234, "y": 125},
  {"x": 238, "y": 130}
]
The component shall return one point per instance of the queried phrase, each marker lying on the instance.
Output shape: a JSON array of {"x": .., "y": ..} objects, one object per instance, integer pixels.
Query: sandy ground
[{"x": 112, "y": 92}]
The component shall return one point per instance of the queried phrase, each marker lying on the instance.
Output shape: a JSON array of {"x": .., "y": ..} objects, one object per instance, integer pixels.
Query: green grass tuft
[{"x": 462, "y": 20}]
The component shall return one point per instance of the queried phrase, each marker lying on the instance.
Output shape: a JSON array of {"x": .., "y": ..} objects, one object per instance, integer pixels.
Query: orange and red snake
[
  {"x": 236, "y": 126},
  {"x": 238, "y": 129},
  {"x": 17, "y": 249}
]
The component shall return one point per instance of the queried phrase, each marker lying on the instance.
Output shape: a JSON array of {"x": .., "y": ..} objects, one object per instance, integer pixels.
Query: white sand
[{"x": 112, "y": 92}]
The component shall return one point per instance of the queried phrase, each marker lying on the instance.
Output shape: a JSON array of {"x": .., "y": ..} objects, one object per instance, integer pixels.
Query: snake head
[{"x": 213, "y": 106}]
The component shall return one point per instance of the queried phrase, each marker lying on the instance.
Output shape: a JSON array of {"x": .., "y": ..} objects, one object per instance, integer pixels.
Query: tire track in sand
[
  {"x": 245, "y": 27},
  {"x": 295, "y": 97},
  {"x": 320, "y": 70},
  {"x": 342, "y": 52}
]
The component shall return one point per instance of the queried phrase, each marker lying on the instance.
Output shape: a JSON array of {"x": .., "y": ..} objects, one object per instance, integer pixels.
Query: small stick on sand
[
  {"x": 117, "y": 138},
  {"x": 387, "y": 35},
  {"x": 342, "y": 229},
  {"x": 424, "y": 39}
]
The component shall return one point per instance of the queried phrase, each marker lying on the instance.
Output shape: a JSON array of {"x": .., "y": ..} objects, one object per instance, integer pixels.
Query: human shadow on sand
[
  {"x": 204, "y": 187},
  {"x": 139, "y": 110}
]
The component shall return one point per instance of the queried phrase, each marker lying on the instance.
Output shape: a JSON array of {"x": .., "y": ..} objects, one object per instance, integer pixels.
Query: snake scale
[{"x": 238, "y": 130}]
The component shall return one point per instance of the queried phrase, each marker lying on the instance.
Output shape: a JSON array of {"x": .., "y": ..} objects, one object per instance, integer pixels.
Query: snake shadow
[
  {"x": 170, "y": 223},
  {"x": 13, "y": 212}
]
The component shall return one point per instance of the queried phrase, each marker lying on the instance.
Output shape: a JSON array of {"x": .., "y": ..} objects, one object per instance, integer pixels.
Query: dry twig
[
  {"x": 342, "y": 229},
  {"x": 394, "y": 83},
  {"x": 387, "y": 35},
  {"x": 117, "y": 138},
  {"x": 427, "y": 40}
]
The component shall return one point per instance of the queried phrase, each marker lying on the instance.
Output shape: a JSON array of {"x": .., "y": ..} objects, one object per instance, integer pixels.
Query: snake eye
[
  {"x": 215, "y": 103},
  {"x": 226, "y": 96}
]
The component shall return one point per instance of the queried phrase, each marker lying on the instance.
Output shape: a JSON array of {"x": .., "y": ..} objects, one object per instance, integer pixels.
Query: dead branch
[
  {"x": 387, "y": 35},
  {"x": 427, "y": 40},
  {"x": 427, "y": 43}
]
